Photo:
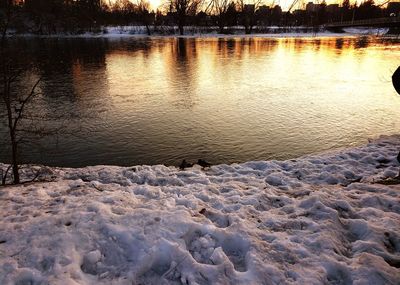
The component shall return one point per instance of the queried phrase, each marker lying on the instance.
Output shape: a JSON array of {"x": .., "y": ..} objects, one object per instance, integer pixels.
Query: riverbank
[
  {"x": 314, "y": 220},
  {"x": 199, "y": 32}
]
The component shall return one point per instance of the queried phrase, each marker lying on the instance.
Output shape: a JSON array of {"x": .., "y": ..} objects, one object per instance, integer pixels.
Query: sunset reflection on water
[{"x": 226, "y": 100}]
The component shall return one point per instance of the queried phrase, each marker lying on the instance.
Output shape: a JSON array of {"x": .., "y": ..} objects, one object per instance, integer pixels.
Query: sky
[{"x": 285, "y": 4}]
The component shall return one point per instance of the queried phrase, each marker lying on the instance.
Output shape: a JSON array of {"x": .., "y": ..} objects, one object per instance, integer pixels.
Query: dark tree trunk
[
  {"x": 246, "y": 24},
  {"x": 15, "y": 166},
  {"x": 14, "y": 144},
  {"x": 181, "y": 23},
  {"x": 221, "y": 23},
  {"x": 246, "y": 29}
]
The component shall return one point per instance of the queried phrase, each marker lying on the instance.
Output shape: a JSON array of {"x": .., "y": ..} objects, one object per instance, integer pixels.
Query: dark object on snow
[
  {"x": 389, "y": 181},
  {"x": 202, "y": 211},
  {"x": 184, "y": 164},
  {"x": 396, "y": 85},
  {"x": 203, "y": 163},
  {"x": 396, "y": 80}
]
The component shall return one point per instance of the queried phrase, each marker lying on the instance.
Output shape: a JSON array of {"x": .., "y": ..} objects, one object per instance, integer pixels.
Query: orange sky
[{"x": 285, "y": 4}]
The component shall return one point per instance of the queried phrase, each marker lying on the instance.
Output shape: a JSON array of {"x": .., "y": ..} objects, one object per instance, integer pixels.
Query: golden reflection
[
  {"x": 232, "y": 99},
  {"x": 184, "y": 66},
  {"x": 319, "y": 83}
]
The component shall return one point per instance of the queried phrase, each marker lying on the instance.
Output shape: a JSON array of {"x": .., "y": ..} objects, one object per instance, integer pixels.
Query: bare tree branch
[{"x": 24, "y": 102}]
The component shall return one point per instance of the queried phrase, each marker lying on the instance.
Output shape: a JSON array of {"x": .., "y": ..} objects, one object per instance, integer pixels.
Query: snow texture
[{"x": 318, "y": 219}]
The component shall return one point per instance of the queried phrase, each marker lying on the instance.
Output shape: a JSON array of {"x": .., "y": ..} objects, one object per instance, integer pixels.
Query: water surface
[{"x": 160, "y": 100}]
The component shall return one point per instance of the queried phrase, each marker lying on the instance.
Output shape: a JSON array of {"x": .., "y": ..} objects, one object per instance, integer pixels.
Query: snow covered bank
[
  {"x": 314, "y": 220},
  {"x": 207, "y": 32}
]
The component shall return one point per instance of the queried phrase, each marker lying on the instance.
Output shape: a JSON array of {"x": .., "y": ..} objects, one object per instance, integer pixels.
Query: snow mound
[{"x": 318, "y": 219}]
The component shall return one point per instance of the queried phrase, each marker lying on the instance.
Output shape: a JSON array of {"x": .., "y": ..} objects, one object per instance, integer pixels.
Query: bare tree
[
  {"x": 15, "y": 105},
  {"x": 248, "y": 11},
  {"x": 143, "y": 10},
  {"x": 15, "y": 110},
  {"x": 220, "y": 9},
  {"x": 7, "y": 78},
  {"x": 183, "y": 9},
  {"x": 20, "y": 117}
]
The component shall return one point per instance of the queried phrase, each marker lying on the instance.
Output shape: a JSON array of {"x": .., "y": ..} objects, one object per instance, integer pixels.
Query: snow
[
  {"x": 210, "y": 32},
  {"x": 366, "y": 30},
  {"x": 319, "y": 219}
]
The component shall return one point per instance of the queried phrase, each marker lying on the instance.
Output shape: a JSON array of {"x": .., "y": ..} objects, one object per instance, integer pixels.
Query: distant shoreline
[{"x": 209, "y": 32}]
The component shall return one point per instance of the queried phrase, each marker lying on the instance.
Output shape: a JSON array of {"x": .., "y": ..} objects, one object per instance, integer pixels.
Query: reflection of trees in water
[
  {"x": 327, "y": 45},
  {"x": 296, "y": 44},
  {"x": 181, "y": 51},
  {"x": 182, "y": 62},
  {"x": 230, "y": 46},
  {"x": 267, "y": 45},
  {"x": 73, "y": 85},
  {"x": 316, "y": 44},
  {"x": 237, "y": 49},
  {"x": 186, "y": 63},
  {"x": 144, "y": 46},
  {"x": 244, "y": 47},
  {"x": 361, "y": 42},
  {"x": 57, "y": 56},
  {"x": 339, "y": 43},
  {"x": 74, "y": 78},
  {"x": 226, "y": 47},
  {"x": 61, "y": 62},
  {"x": 388, "y": 40}
]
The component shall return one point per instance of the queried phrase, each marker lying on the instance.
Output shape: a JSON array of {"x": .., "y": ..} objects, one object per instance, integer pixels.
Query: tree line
[{"x": 78, "y": 16}]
